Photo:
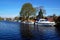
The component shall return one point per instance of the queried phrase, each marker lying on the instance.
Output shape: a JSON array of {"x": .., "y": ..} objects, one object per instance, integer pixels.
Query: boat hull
[{"x": 45, "y": 24}]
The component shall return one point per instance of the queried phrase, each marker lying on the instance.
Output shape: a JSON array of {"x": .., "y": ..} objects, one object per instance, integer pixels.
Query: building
[{"x": 50, "y": 18}]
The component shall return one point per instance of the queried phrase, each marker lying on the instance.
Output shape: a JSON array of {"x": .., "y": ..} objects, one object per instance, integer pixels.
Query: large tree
[
  {"x": 41, "y": 12},
  {"x": 27, "y": 10}
]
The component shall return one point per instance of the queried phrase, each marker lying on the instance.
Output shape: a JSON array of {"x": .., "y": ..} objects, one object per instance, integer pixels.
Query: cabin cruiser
[{"x": 44, "y": 22}]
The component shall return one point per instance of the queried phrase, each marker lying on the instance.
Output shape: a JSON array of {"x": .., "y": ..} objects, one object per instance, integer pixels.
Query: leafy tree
[
  {"x": 1, "y": 18},
  {"x": 27, "y": 10},
  {"x": 58, "y": 22},
  {"x": 41, "y": 12},
  {"x": 16, "y": 18},
  {"x": 8, "y": 19},
  {"x": 58, "y": 19}
]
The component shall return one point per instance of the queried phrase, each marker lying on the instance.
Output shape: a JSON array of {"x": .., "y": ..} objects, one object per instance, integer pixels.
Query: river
[
  {"x": 20, "y": 31},
  {"x": 9, "y": 30}
]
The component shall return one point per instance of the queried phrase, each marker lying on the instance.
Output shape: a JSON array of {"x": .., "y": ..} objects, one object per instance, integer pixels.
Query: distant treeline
[
  {"x": 1, "y": 18},
  {"x": 9, "y": 19}
]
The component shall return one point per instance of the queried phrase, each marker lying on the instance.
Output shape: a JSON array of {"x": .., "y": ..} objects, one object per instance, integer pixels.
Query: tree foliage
[
  {"x": 41, "y": 12},
  {"x": 16, "y": 18},
  {"x": 8, "y": 19},
  {"x": 27, "y": 10},
  {"x": 1, "y": 18}
]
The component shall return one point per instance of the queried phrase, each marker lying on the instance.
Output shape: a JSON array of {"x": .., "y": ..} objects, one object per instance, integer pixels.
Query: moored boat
[{"x": 44, "y": 22}]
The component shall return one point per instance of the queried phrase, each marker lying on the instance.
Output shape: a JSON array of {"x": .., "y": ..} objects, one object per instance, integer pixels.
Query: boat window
[{"x": 43, "y": 20}]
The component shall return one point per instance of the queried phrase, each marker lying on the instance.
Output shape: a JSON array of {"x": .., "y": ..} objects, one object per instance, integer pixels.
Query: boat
[
  {"x": 44, "y": 22},
  {"x": 29, "y": 22},
  {"x": 17, "y": 20}
]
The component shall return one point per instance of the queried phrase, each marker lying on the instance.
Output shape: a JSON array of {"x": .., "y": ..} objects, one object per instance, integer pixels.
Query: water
[
  {"x": 9, "y": 30},
  {"x": 19, "y": 31},
  {"x": 41, "y": 32}
]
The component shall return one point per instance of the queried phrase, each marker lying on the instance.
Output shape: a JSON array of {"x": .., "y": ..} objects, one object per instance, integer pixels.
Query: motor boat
[{"x": 44, "y": 22}]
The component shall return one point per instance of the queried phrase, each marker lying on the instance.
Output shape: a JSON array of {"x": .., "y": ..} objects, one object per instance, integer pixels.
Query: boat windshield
[{"x": 42, "y": 20}]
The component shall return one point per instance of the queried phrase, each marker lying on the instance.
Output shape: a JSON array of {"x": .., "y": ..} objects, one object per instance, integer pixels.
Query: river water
[
  {"x": 9, "y": 30},
  {"x": 20, "y": 31}
]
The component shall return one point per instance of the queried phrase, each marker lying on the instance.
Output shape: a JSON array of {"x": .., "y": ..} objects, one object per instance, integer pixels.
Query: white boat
[
  {"x": 27, "y": 22},
  {"x": 44, "y": 22},
  {"x": 23, "y": 22},
  {"x": 17, "y": 20}
]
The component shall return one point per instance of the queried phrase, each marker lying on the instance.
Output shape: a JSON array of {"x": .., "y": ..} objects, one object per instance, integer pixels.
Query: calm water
[
  {"x": 19, "y": 31},
  {"x": 41, "y": 32},
  {"x": 9, "y": 30}
]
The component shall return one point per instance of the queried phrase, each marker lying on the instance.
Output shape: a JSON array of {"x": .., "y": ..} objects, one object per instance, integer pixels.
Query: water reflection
[
  {"x": 25, "y": 32},
  {"x": 20, "y": 31},
  {"x": 41, "y": 33}
]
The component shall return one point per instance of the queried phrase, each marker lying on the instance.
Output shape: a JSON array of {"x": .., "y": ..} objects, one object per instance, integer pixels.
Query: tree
[
  {"x": 27, "y": 10},
  {"x": 8, "y": 19},
  {"x": 58, "y": 22},
  {"x": 41, "y": 12},
  {"x": 1, "y": 18},
  {"x": 58, "y": 19},
  {"x": 16, "y": 18}
]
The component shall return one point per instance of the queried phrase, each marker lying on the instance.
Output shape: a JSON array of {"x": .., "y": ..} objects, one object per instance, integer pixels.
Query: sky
[{"x": 11, "y": 8}]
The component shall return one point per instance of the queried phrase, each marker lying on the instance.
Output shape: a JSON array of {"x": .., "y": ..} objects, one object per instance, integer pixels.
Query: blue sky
[{"x": 11, "y": 8}]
